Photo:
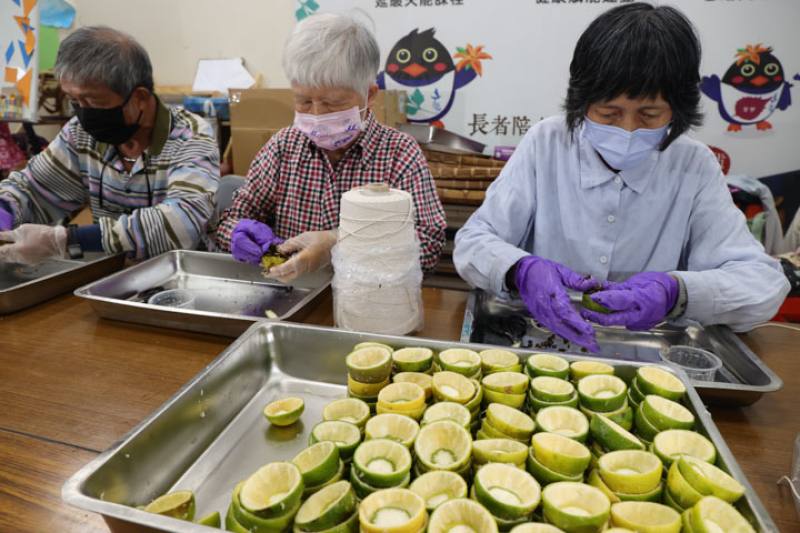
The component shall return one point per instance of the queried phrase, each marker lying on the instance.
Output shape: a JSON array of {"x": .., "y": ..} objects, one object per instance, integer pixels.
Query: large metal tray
[
  {"x": 742, "y": 380},
  {"x": 24, "y": 286},
  {"x": 211, "y": 434},
  {"x": 230, "y": 296}
]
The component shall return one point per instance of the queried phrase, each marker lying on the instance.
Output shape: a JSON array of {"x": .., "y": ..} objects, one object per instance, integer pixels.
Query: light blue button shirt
[{"x": 673, "y": 213}]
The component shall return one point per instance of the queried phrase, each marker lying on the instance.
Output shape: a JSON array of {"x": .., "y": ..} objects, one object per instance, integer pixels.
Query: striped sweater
[{"x": 165, "y": 203}]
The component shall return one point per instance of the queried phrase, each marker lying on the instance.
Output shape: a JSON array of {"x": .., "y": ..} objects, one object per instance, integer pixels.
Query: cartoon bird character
[
  {"x": 421, "y": 65},
  {"x": 751, "y": 89}
]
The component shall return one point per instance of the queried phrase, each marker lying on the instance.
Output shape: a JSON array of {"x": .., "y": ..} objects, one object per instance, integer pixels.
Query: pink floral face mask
[{"x": 330, "y": 131}]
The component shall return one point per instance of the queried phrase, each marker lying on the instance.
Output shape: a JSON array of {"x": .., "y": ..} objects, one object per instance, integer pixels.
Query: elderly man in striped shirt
[
  {"x": 148, "y": 172},
  {"x": 296, "y": 181}
]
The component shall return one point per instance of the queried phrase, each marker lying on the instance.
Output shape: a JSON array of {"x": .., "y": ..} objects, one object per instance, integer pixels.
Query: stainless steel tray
[
  {"x": 23, "y": 286},
  {"x": 742, "y": 380},
  {"x": 230, "y": 296},
  {"x": 440, "y": 140},
  {"x": 211, "y": 434}
]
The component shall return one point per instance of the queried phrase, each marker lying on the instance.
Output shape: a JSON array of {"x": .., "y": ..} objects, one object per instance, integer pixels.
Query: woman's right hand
[
  {"x": 252, "y": 239},
  {"x": 543, "y": 285}
]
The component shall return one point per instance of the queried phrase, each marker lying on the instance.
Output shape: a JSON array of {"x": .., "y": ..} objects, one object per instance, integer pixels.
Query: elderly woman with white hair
[{"x": 295, "y": 183}]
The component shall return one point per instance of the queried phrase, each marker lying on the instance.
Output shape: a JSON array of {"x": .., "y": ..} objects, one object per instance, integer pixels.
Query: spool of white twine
[{"x": 377, "y": 275}]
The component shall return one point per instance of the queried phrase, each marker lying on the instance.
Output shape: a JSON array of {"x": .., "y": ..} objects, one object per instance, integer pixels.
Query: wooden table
[{"x": 72, "y": 384}]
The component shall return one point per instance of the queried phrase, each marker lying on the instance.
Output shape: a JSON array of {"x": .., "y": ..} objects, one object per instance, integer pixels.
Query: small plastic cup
[
  {"x": 179, "y": 298},
  {"x": 699, "y": 364}
]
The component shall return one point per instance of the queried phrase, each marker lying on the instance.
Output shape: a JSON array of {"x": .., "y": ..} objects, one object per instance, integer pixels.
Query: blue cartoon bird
[
  {"x": 751, "y": 89},
  {"x": 421, "y": 65}
]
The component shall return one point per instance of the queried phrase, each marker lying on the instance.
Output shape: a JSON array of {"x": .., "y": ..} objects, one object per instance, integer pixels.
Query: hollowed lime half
[
  {"x": 439, "y": 486},
  {"x": 575, "y": 506}
]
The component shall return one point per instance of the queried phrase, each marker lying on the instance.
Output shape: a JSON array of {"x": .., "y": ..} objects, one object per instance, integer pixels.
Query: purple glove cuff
[
  {"x": 673, "y": 289},
  {"x": 521, "y": 271}
]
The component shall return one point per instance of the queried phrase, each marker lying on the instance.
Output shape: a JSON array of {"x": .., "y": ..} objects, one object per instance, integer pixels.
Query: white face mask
[
  {"x": 620, "y": 148},
  {"x": 331, "y": 131}
]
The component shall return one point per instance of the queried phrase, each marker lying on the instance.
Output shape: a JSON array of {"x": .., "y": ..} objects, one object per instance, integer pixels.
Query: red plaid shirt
[{"x": 292, "y": 186}]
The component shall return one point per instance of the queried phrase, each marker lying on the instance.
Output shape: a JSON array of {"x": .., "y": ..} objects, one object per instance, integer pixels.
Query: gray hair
[
  {"x": 331, "y": 50},
  {"x": 99, "y": 54}
]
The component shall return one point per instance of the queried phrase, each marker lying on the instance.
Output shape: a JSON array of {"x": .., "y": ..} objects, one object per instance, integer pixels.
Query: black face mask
[{"x": 107, "y": 125}]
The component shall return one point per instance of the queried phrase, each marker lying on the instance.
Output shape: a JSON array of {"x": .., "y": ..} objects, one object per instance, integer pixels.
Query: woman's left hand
[
  {"x": 638, "y": 303},
  {"x": 309, "y": 252}
]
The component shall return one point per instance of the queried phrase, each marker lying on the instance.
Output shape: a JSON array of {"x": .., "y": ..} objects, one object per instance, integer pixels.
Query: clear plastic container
[
  {"x": 699, "y": 364},
  {"x": 179, "y": 298}
]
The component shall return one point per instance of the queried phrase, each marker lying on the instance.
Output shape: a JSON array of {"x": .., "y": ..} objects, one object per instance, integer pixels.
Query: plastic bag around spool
[
  {"x": 377, "y": 290},
  {"x": 375, "y": 264},
  {"x": 384, "y": 310}
]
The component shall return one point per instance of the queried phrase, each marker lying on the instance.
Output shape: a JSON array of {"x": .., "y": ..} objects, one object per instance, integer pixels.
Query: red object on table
[{"x": 789, "y": 311}]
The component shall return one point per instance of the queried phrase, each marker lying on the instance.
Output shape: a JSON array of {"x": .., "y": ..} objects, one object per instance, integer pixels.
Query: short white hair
[{"x": 332, "y": 50}]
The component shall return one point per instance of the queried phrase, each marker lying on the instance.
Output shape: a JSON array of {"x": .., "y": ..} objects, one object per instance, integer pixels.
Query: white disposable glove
[
  {"x": 312, "y": 251},
  {"x": 33, "y": 243}
]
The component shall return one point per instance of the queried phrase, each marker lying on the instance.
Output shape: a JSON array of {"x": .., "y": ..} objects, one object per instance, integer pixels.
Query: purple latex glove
[
  {"x": 638, "y": 303},
  {"x": 6, "y": 219},
  {"x": 543, "y": 284},
  {"x": 251, "y": 239}
]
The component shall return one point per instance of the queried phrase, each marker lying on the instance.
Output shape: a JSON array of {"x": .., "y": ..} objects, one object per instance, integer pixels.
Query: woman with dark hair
[{"x": 614, "y": 198}]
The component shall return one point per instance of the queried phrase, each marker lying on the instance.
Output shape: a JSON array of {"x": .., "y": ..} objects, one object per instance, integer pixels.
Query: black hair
[
  {"x": 99, "y": 54},
  {"x": 638, "y": 50}
]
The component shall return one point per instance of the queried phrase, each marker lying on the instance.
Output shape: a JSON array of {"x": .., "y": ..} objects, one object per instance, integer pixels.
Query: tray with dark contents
[
  {"x": 24, "y": 286},
  {"x": 208, "y": 293},
  {"x": 742, "y": 379}
]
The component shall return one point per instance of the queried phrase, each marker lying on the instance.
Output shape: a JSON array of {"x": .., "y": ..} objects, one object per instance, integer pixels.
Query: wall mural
[
  {"x": 422, "y": 66},
  {"x": 19, "y": 21},
  {"x": 752, "y": 88},
  {"x": 489, "y": 70}
]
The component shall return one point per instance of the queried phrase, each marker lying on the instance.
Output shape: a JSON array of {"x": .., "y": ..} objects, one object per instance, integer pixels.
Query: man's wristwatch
[{"x": 74, "y": 249}]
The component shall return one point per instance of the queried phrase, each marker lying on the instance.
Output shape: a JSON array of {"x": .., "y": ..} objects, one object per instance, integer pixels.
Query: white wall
[{"x": 177, "y": 33}]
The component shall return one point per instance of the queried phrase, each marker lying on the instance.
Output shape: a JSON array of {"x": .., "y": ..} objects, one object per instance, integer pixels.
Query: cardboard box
[{"x": 257, "y": 114}]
